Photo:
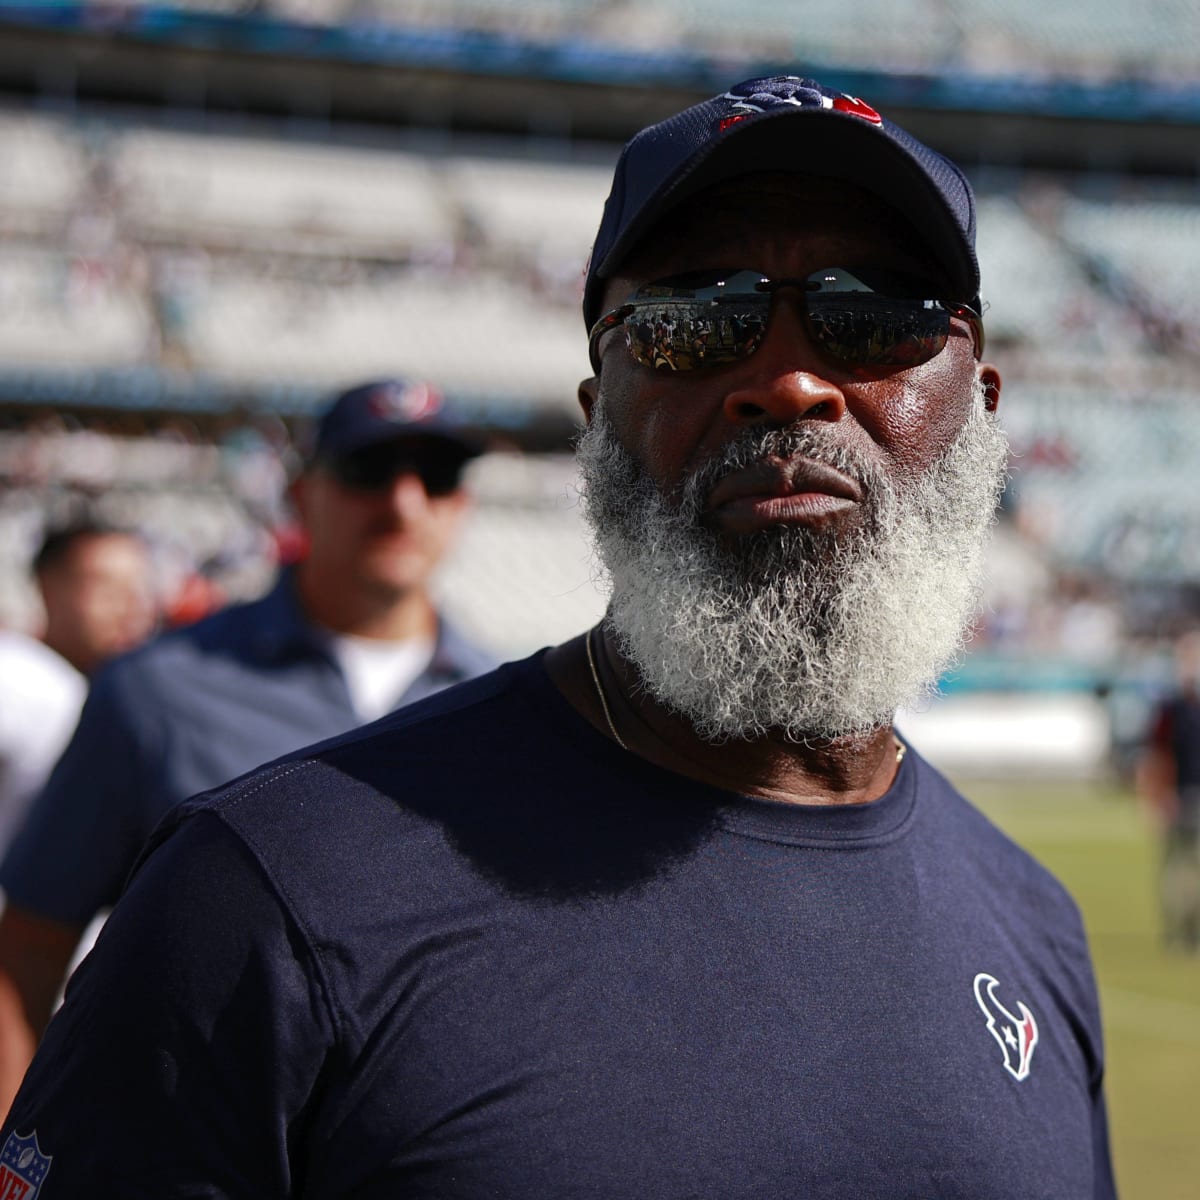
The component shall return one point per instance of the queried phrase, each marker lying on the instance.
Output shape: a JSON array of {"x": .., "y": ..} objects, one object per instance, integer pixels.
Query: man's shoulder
[
  {"x": 231, "y": 625},
  {"x": 239, "y": 630},
  {"x": 380, "y": 794},
  {"x": 445, "y": 718},
  {"x": 998, "y": 866},
  {"x": 401, "y": 753},
  {"x": 457, "y": 652}
]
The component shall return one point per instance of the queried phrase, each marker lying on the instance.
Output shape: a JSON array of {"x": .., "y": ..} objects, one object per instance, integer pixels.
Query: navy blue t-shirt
[{"x": 477, "y": 950}]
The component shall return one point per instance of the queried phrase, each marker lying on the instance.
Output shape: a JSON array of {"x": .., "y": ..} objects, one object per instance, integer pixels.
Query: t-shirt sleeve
[
  {"x": 1076, "y": 979},
  {"x": 85, "y": 829},
  {"x": 1104, "y": 1183},
  {"x": 184, "y": 1060}
]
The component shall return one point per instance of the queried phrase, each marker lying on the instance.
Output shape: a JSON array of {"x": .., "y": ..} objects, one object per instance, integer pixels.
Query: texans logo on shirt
[
  {"x": 759, "y": 95},
  {"x": 1016, "y": 1035},
  {"x": 23, "y": 1167}
]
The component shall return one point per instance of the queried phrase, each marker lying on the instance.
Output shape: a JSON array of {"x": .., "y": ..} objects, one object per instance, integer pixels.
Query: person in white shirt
[{"x": 40, "y": 698}]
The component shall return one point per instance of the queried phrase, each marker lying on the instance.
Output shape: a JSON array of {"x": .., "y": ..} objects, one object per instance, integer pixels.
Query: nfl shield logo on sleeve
[{"x": 23, "y": 1167}]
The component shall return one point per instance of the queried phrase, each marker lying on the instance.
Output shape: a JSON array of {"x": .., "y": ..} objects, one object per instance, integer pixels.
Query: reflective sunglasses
[
  {"x": 862, "y": 317},
  {"x": 438, "y": 466}
]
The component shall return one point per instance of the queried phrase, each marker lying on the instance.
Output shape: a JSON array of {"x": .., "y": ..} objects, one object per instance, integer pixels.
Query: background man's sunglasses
[
  {"x": 438, "y": 465},
  {"x": 861, "y": 317}
]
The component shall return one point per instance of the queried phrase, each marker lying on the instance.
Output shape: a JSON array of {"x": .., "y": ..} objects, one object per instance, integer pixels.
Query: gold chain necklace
[
  {"x": 600, "y": 690},
  {"x": 612, "y": 728}
]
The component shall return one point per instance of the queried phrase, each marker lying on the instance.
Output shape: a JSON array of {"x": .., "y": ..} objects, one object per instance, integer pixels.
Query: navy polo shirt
[
  {"x": 475, "y": 951},
  {"x": 191, "y": 709}
]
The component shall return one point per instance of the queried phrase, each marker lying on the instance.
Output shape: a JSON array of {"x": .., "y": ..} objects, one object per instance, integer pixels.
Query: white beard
[{"x": 793, "y": 630}]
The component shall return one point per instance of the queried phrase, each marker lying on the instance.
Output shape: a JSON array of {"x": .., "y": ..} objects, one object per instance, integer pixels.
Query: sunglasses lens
[
  {"x": 441, "y": 477},
  {"x": 438, "y": 467},
  {"x": 874, "y": 318},
  {"x": 692, "y": 321},
  {"x": 710, "y": 319}
]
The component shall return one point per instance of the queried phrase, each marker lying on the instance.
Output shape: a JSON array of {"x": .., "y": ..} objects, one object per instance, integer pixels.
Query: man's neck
[
  {"x": 849, "y": 770},
  {"x": 366, "y": 612}
]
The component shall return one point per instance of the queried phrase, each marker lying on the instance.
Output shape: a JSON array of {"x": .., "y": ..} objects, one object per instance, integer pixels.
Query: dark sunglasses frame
[
  {"x": 374, "y": 468},
  {"x": 882, "y": 323}
]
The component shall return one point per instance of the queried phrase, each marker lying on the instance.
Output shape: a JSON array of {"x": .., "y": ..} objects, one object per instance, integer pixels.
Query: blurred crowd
[
  {"x": 1007, "y": 38},
  {"x": 267, "y": 263}
]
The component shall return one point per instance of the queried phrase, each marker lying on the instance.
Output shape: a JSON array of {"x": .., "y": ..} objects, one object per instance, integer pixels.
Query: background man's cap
[
  {"x": 785, "y": 123},
  {"x": 386, "y": 410}
]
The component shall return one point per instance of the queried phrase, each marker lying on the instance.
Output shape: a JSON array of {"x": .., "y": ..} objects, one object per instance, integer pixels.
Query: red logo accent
[
  {"x": 13, "y": 1187},
  {"x": 1016, "y": 1035},
  {"x": 1028, "y": 1030},
  {"x": 856, "y": 108},
  {"x": 726, "y": 122}
]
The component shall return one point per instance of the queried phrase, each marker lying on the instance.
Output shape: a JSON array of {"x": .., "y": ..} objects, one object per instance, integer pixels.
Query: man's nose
[
  {"x": 406, "y": 493},
  {"x": 785, "y": 379}
]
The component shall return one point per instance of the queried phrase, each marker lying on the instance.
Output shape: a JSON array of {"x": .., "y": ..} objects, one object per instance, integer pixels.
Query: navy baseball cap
[
  {"x": 785, "y": 123},
  {"x": 387, "y": 410}
]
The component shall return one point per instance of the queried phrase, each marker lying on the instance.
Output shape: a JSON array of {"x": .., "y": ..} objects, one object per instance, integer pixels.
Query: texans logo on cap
[
  {"x": 403, "y": 402},
  {"x": 759, "y": 95},
  {"x": 665, "y": 163}
]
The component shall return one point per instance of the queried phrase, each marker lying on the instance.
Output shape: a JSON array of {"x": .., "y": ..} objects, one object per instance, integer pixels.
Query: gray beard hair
[{"x": 793, "y": 630}]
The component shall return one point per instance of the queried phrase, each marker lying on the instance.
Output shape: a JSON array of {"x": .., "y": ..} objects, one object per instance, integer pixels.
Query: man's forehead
[{"x": 103, "y": 545}]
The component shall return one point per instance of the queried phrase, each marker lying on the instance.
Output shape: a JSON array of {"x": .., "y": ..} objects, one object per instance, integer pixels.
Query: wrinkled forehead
[{"x": 754, "y": 218}]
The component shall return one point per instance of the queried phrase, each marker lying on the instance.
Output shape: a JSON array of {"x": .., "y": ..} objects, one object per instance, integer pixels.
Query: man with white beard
[{"x": 667, "y": 910}]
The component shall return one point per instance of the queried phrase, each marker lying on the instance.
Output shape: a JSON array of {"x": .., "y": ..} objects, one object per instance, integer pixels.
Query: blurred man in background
[
  {"x": 98, "y": 601},
  {"x": 95, "y": 585},
  {"x": 347, "y": 635},
  {"x": 1169, "y": 779},
  {"x": 97, "y": 597}
]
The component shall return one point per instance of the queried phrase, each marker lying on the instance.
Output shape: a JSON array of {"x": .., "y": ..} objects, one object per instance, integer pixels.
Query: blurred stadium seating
[{"x": 1155, "y": 37}]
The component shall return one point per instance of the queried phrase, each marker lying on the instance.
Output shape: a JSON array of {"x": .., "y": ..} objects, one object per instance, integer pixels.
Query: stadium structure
[{"x": 212, "y": 214}]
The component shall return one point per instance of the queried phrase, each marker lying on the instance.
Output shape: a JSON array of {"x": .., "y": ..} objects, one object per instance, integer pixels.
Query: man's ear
[
  {"x": 990, "y": 378},
  {"x": 587, "y": 397}
]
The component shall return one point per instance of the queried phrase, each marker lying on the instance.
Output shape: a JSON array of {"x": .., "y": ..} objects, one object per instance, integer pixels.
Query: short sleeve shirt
[{"x": 477, "y": 950}]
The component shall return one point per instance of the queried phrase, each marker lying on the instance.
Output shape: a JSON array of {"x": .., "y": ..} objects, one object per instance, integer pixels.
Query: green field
[{"x": 1102, "y": 847}]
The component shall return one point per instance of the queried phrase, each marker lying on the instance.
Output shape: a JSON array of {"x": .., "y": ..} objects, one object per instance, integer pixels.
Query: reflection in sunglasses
[{"x": 864, "y": 317}]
